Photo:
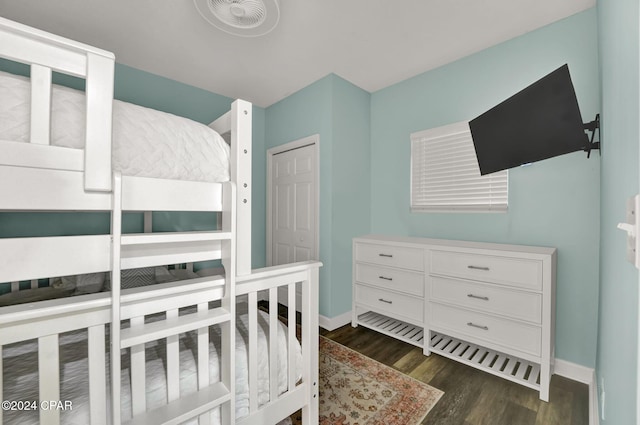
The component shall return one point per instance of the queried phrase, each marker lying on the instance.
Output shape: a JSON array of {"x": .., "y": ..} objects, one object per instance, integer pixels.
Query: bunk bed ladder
[{"x": 154, "y": 249}]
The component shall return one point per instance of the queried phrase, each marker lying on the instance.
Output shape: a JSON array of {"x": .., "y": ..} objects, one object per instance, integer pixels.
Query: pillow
[
  {"x": 162, "y": 275},
  {"x": 183, "y": 274},
  {"x": 211, "y": 271},
  {"x": 89, "y": 283},
  {"x": 33, "y": 295},
  {"x": 65, "y": 282},
  {"x": 134, "y": 278}
]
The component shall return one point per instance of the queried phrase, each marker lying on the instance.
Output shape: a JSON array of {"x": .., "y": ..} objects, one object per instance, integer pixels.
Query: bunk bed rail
[
  {"x": 46, "y": 53},
  {"x": 47, "y": 322},
  {"x": 237, "y": 123},
  {"x": 264, "y": 283}
]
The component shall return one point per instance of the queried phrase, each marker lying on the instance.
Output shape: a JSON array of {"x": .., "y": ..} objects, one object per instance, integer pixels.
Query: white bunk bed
[{"x": 39, "y": 176}]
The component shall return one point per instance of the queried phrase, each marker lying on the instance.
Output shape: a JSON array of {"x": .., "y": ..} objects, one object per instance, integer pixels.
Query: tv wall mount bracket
[{"x": 592, "y": 127}]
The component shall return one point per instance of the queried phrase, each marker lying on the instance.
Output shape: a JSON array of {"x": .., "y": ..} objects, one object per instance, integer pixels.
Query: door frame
[{"x": 313, "y": 140}]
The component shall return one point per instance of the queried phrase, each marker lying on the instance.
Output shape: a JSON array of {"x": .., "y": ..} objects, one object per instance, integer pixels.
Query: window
[{"x": 445, "y": 174}]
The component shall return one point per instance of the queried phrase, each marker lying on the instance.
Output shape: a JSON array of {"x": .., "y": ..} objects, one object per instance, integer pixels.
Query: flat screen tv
[{"x": 539, "y": 122}]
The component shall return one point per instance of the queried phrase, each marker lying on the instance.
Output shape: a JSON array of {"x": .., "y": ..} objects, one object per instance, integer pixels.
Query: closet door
[{"x": 293, "y": 205}]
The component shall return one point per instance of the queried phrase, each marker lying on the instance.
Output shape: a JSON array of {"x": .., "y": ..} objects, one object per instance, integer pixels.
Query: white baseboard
[
  {"x": 331, "y": 323},
  {"x": 583, "y": 374},
  {"x": 594, "y": 409},
  {"x": 574, "y": 371}
]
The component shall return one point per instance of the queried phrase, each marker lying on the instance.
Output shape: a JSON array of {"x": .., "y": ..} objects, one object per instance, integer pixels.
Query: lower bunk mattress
[
  {"x": 146, "y": 142},
  {"x": 20, "y": 374},
  {"x": 67, "y": 286}
]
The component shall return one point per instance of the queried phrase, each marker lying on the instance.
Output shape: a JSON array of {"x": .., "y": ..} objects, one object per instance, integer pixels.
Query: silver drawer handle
[
  {"x": 478, "y": 297},
  {"x": 486, "y": 328},
  {"x": 385, "y": 301},
  {"x": 386, "y": 255},
  {"x": 385, "y": 278},
  {"x": 478, "y": 268}
]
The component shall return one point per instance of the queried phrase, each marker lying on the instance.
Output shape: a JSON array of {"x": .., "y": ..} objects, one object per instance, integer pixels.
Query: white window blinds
[{"x": 445, "y": 174}]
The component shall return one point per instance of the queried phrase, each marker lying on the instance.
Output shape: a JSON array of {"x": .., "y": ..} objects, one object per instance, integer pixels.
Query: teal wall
[
  {"x": 618, "y": 323},
  {"x": 339, "y": 112},
  {"x": 351, "y": 186},
  {"x": 163, "y": 94},
  {"x": 551, "y": 203}
]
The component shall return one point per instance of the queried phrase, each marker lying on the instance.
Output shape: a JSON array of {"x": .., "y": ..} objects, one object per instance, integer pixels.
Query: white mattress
[
  {"x": 21, "y": 372},
  {"x": 146, "y": 142}
]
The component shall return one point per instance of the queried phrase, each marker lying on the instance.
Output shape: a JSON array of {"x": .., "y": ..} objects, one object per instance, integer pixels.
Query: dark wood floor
[{"x": 471, "y": 397}]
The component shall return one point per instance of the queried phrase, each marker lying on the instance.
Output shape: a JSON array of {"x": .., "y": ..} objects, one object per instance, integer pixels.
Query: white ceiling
[{"x": 371, "y": 43}]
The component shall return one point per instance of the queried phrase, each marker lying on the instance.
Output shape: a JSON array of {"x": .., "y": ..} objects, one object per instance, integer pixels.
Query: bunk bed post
[
  {"x": 97, "y": 155},
  {"x": 310, "y": 345},
  {"x": 228, "y": 302},
  {"x": 116, "y": 232},
  {"x": 240, "y": 170}
]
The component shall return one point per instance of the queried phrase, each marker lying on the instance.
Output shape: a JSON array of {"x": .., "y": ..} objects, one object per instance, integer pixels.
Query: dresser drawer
[
  {"x": 488, "y": 268},
  {"x": 502, "y": 332},
  {"x": 490, "y": 298},
  {"x": 393, "y": 256},
  {"x": 384, "y": 277},
  {"x": 390, "y": 302}
]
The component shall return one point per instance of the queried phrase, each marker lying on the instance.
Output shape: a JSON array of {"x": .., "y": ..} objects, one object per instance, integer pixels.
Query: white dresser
[{"x": 490, "y": 306}]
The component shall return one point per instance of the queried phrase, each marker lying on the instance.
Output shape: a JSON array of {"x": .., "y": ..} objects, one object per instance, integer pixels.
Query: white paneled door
[{"x": 294, "y": 204}]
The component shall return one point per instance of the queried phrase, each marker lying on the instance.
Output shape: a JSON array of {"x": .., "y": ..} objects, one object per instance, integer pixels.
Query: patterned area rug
[{"x": 356, "y": 390}]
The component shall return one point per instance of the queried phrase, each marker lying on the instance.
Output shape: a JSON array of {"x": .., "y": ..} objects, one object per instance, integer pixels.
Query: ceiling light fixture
[{"x": 246, "y": 18}]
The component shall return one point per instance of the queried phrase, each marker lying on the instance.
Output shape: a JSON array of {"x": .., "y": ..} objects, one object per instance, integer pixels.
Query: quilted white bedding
[
  {"x": 21, "y": 371},
  {"x": 146, "y": 142}
]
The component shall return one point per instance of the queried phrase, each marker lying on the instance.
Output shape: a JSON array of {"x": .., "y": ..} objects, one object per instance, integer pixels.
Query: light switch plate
[{"x": 631, "y": 227}]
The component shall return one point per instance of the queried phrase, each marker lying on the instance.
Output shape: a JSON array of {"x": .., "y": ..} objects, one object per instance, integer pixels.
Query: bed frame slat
[
  {"x": 273, "y": 344},
  {"x": 19, "y": 154},
  {"x": 47, "y": 190},
  {"x": 65, "y": 255},
  {"x": 253, "y": 354},
  {"x": 291, "y": 336},
  {"x": 173, "y": 362},
  {"x": 52, "y": 186},
  {"x": 97, "y": 375},
  {"x": 49, "y": 377},
  {"x": 138, "y": 373},
  {"x": 203, "y": 363},
  {"x": 149, "y": 194},
  {"x": 40, "y": 104}
]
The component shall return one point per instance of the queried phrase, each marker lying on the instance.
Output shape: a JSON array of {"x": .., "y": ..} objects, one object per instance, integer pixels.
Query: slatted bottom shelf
[
  {"x": 503, "y": 365},
  {"x": 398, "y": 329}
]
